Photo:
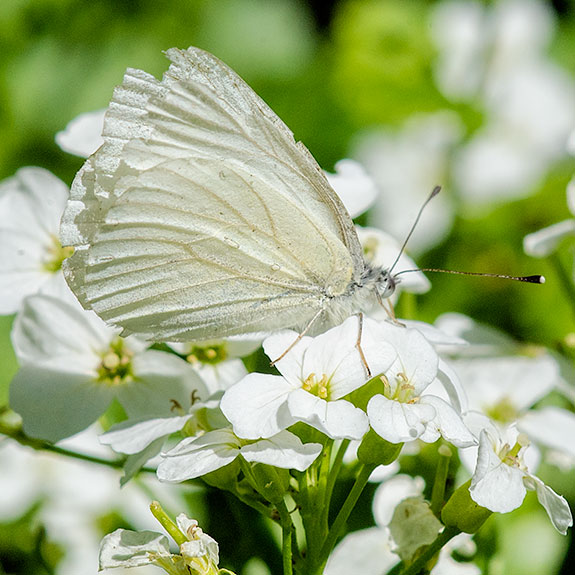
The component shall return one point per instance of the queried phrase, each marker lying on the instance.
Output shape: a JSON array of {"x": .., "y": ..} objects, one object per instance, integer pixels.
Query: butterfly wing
[{"x": 200, "y": 216}]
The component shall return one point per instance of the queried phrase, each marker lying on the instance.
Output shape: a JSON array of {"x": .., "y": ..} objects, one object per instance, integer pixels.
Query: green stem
[
  {"x": 287, "y": 531},
  {"x": 335, "y": 469},
  {"x": 41, "y": 445},
  {"x": 419, "y": 565},
  {"x": 438, "y": 492},
  {"x": 167, "y": 523},
  {"x": 345, "y": 511}
]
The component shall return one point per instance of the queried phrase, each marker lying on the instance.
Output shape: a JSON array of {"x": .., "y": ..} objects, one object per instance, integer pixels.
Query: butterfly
[{"x": 201, "y": 217}]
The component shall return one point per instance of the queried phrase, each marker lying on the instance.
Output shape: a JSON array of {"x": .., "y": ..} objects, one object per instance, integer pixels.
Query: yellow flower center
[
  {"x": 403, "y": 391},
  {"x": 504, "y": 411},
  {"x": 116, "y": 365},
  {"x": 211, "y": 354},
  {"x": 315, "y": 386},
  {"x": 55, "y": 254}
]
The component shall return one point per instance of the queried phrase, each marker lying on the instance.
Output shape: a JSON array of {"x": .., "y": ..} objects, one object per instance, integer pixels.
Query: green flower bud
[
  {"x": 375, "y": 450},
  {"x": 462, "y": 512}
]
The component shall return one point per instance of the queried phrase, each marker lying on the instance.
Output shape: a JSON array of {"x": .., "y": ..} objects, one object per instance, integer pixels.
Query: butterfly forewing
[{"x": 200, "y": 216}]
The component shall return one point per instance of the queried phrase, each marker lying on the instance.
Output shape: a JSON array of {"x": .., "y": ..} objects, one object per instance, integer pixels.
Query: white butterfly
[{"x": 201, "y": 217}]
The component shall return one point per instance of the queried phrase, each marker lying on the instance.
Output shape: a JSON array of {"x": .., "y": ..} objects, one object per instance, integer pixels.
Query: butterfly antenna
[
  {"x": 434, "y": 193},
  {"x": 536, "y": 279}
]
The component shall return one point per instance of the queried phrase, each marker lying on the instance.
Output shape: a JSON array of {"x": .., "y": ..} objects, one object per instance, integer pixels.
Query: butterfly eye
[{"x": 386, "y": 284}]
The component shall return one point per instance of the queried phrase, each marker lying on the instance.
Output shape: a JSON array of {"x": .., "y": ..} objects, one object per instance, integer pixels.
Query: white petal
[
  {"x": 556, "y": 506},
  {"x": 544, "y": 242},
  {"x": 416, "y": 358},
  {"x": 337, "y": 419},
  {"x": 398, "y": 422},
  {"x": 452, "y": 385},
  {"x": 495, "y": 485},
  {"x": 521, "y": 381},
  {"x": 256, "y": 407},
  {"x": 283, "y": 450},
  {"x": 32, "y": 201},
  {"x": 551, "y": 426},
  {"x": 160, "y": 379},
  {"x": 392, "y": 492},
  {"x": 335, "y": 354},
  {"x": 57, "y": 404},
  {"x": 448, "y": 422},
  {"x": 124, "y": 548},
  {"x": 367, "y": 551},
  {"x": 223, "y": 375},
  {"x": 355, "y": 188},
  {"x": 290, "y": 366},
  {"x": 49, "y": 329},
  {"x": 83, "y": 135},
  {"x": 132, "y": 437},
  {"x": 194, "y": 457}
]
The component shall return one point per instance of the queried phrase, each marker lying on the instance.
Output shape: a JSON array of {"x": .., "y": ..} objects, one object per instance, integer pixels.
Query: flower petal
[
  {"x": 283, "y": 450},
  {"x": 196, "y": 456},
  {"x": 124, "y": 548},
  {"x": 398, "y": 422},
  {"x": 160, "y": 380},
  {"x": 55, "y": 404},
  {"x": 337, "y": 419},
  {"x": 82, "y": 135},
  {"x": 556, "y": 506},
  {"x": 495, "y": 485},
  {"x": 448, "y": 422},
  {"x": 133, "y": 436},
  {"x": 256, "y": 407},
  {"x": 544, "y": 242},
  {"x": 355, "y": 188}
]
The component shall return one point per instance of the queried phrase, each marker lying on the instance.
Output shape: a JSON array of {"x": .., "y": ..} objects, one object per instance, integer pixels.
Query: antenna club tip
[{"x": 542, "y": 279}]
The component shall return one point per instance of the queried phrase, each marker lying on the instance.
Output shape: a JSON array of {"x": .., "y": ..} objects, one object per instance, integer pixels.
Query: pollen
[
  {"x": 116, "y": 365},
  {"x": 55, "y": 254},
  {"x": 317, "y": 387}
]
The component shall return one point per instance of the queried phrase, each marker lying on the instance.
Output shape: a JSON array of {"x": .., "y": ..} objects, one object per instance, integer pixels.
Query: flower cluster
[{"x": 280, "y": 419}]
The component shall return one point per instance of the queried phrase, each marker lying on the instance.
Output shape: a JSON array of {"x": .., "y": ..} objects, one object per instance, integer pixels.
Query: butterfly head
[{"x": 380, "y": 280}]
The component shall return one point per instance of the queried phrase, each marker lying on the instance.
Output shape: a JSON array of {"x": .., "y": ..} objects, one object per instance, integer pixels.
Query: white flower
[
  {"x": 31, "y": 204},
  {"x": 199, "y": 555},
  {"x": 404, "y": 411},
  {"x": 502, "y": 474},
  {"x": 315, "y": 375},
  {"x": 354, "y": 187},
  {"x": 73, "y": 366},
  {"x": 544, "y": 242},
  {"x": 196, "y": 456},
  {"x": 494, "y": 58},
  {"x": 405, "y": 166},
  {"x": 506, "y": 387},
  {"x": 83, "y": 135},
  {"x": 372, "y": 551},
  {"x": 217, "y": 361}
]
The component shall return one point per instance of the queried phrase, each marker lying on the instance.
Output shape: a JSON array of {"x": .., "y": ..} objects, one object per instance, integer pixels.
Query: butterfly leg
[
  {"x": 388, "y": 307},
  {"x": 358, "y": 345},
  {"x": 298, "y": 338}
]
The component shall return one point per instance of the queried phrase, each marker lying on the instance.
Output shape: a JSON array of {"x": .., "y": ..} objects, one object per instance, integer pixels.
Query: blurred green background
[{"x": 331, "y": 71}]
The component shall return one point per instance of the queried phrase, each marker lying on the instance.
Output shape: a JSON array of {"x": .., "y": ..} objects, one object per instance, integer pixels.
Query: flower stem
[
  {"x": 166, "y": 522},
  {"x": 41, "y": 445},
  {"x": 345, "y": 511},
  {"x": 287, "y": 533},
  {"x": 438, "y": 492},
  {"x": 419, "y": 565}
]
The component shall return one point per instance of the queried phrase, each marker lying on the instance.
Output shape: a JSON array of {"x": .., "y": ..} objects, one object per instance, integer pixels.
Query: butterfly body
[{"x": 201, "y": 217}]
